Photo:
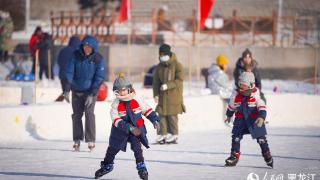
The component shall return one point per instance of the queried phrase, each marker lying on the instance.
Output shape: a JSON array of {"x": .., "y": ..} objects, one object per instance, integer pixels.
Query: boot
[
  {"x": 76, "y": 146},
  {"x": 142, "y": 171},
  {"x": 268, "y": 159},
  {"x": 233, "y": 159},
  {"x": 161, "y": 139},
  {"x": 91, "y": 146},
  {"x": 173, "y": 139},
  {"x": 104, "y": 169}
]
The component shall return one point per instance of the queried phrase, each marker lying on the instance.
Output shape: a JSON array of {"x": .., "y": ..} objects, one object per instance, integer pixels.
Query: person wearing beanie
[
  {"x": 250, "y": 114},
  {"x": 127, "y": 126},
  {"x": 218, "y": 80},
  {"x": 84, "y": 74},
  {"x": 246, "y": 63},
  {"x": 167, "y": 92}
]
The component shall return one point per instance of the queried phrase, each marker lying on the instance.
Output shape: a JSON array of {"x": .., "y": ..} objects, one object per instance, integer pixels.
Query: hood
[
  {"x": 240, "y": 63},
  {"x": 91, "y": 41},
  {"x": 74, "y": 42},
  {"x": 214, "y": 68}
]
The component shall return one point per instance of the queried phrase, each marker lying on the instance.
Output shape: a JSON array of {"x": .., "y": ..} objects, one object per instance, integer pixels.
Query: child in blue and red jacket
[
  {"x": 250, "y": 114},
  {"x": 128, "y": 126}
]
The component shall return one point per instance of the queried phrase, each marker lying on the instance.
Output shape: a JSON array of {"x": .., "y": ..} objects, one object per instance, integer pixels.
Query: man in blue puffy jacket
[{"x": 84, "y": 73}]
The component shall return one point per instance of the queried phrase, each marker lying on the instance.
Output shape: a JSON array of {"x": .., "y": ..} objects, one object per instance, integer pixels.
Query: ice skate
[
  {"x": 104, "y": 169},
  {"x": 233, "y": 159},
  {"x": 76, "y": 146},
  {"x": 161, "y": 139},
  {"x": 173, "y": 139},
  {"x": 142, "y": 171},
  {"x": 268, "y": 159},
  {"x": 91, "y": 146}
]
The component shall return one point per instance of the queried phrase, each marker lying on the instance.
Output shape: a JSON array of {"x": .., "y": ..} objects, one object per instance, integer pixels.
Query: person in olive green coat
[{"x": 167, "y": 92}]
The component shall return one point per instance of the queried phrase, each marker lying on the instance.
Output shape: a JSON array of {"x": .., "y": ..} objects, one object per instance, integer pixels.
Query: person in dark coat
[
  {"x": 84, "y": 74},
  {"x": 148, "y": 78},
  {"x": 246, "y": 63},
  {"x": 127, "y": 126},
  {"x": 250, "y": 114},
  {"x": 64, "y": 57},
  {"x": 45, "y": 56}
]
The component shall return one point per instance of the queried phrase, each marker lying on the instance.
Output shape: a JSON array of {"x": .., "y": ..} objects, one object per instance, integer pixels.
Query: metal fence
[{"x": 235, "y": 31}]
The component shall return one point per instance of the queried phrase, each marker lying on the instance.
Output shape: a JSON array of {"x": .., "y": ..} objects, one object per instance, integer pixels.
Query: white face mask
[{"x": 164, "y": 58}]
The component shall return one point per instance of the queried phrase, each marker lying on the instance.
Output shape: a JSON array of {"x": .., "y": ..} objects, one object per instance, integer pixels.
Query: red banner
[
  {"x": 123, "y": 16},
  {"x": 205, "y": 7}
]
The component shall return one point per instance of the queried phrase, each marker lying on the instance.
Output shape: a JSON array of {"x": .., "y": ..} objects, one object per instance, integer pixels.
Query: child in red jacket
[
  {"x": 250, "y": 114},
  {"x": 128, "y": 126}
]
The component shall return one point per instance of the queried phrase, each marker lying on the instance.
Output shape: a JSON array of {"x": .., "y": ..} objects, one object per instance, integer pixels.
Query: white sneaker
[
  {"x": 161, "y": 139},
  {"x": 172, "y": 139}
]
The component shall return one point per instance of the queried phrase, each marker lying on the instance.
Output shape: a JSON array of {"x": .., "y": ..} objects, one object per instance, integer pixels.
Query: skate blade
[
  {"x": 99, "y": 176},
  {"x": 228, "y": 165},
  {"x": 159, "y": 143},
  {"x": 271, "y": 166},
  {"x": 173, "y": 142}
]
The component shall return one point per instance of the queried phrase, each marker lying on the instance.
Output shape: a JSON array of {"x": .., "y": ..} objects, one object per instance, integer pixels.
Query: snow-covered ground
[{"x": 35, "y": 139}]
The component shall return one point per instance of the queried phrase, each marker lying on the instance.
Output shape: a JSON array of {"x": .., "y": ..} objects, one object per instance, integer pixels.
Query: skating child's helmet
[
  {"x": 121, "y": 82},
  {"x": 247, "y": 78}
]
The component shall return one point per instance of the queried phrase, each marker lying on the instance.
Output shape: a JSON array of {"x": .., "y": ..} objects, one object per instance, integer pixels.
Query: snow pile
[{"x": 204, "y": 113}]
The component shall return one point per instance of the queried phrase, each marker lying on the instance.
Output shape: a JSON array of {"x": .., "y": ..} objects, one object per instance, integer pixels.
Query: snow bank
[{"x": 204, "y": 113}]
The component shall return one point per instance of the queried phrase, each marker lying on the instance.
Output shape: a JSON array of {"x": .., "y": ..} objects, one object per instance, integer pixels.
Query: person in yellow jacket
[{"x": 167, "y": 92}]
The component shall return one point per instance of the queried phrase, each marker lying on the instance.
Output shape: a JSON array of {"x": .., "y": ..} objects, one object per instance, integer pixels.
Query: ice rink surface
[{"x": 198, "y": 155}]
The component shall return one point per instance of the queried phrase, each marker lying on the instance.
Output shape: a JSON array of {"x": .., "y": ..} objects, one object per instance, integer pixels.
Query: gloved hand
[
  {"x": 66, "y": 96},
  {"x": 259, "y": 122},
  {"x": 156, "y": 125},
  {"x": 134, "y": 130},
  {"x": 227, "y": 120},
  {"x": 156, "y": 99},
  {"x": 164, "y": 87},
  {"x": 89, "y": 100}
]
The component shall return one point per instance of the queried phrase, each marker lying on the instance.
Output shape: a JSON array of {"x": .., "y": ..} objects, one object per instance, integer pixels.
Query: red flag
[
  {"x": 205, "y": 7},
  {"x": 124, "y": 8}
]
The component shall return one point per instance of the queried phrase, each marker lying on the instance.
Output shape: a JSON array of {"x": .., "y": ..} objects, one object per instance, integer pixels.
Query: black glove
[
  {"x": 134, "y": 130},
  {"x": 227, "y": 120},
  {"x": 66, "y": 96},
  {"x": 156, "y": 125}
]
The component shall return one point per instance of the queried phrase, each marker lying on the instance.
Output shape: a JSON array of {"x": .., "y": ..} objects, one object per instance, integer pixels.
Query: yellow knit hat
[{"x": 222, "y": 60}]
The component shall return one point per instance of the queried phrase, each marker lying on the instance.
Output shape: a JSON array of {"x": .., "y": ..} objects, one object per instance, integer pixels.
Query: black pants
[
  {"x": 44, "y": 69},
  {"x": 135, "y": 147},
  {"x": 79, "y": 107},
  {"x": 262, "y": 141}
]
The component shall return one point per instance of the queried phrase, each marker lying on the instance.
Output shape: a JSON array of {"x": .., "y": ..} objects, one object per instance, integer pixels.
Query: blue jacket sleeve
[
  {"x": 229, "y": 113},
  {"x": 69, "y": 74},
  {"x": 98, "y": 78},
  {"x": 263, "y": 114},
  {"x": 153, "y": 117}
]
